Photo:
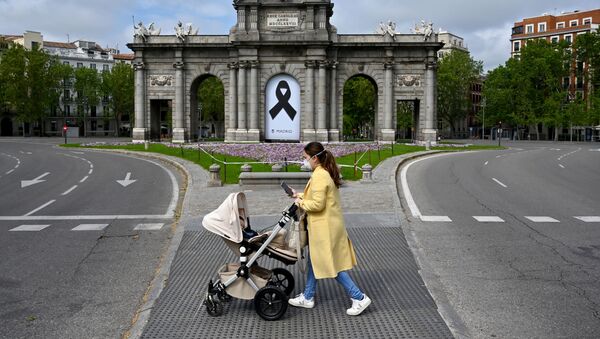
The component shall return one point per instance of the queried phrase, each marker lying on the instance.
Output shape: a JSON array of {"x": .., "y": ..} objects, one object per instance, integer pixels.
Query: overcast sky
[{"x": 485, "y": 25}]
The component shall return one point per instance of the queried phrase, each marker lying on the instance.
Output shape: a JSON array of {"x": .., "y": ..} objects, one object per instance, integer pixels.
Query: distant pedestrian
[{"x": 331, "y": 254}]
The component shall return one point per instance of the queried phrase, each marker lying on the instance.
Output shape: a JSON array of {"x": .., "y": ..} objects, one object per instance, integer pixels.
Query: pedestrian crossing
[
  {"x": 496, "y": 219},
  {"x": 85, "y": 227}
]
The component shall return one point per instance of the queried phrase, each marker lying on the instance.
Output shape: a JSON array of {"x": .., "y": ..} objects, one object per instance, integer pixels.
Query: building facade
[
  {"x": 78, "y": 54},
  {"x": 283, "y": 68}
]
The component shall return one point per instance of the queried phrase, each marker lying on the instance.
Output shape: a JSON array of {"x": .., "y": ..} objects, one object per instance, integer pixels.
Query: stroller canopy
[{"x": 225, "y": 220}]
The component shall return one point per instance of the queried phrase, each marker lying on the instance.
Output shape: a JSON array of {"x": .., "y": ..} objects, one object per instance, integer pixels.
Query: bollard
[
  {"x": 428, "y": 145},
  {"x": 246, "y": 168},
  {"x": 277, "y": 168},
  {"x": 215, "y": 176},
  {"x": 146, "y": 145},
  {"x": 367, "y": 171}
]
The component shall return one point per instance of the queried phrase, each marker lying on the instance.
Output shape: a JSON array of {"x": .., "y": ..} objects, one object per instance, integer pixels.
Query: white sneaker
[
  {"x": 358, "y": 306},
  {"x": 300, "y": 301}
]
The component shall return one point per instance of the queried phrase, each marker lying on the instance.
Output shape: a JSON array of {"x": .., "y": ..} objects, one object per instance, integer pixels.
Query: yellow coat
[{"x": 330, "y": 248}]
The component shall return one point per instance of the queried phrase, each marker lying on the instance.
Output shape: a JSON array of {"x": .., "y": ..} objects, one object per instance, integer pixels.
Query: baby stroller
[{"x": 247, "y": 280}]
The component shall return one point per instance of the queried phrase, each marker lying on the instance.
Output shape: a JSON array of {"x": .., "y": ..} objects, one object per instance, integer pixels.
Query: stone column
[
  {"x": 334, "y": 132},
  {"x": 178, "y": 112},
  {"x": 232, "y": 124},
  {"x": 309, "y": 103},
  {"x": 242, "y": 127},
  {"x": 429, "y": 132},
  {"x": 254, "y": 131},
  {"x": 140, "y": 132},
  {"x": 388, "y": 131},
  {"x": 322, "y": 134}
]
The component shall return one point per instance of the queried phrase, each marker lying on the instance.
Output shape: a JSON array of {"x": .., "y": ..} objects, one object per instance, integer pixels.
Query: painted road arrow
[
  {"x": 25, "y": 183},
  {"x": 127, "y": 181}
]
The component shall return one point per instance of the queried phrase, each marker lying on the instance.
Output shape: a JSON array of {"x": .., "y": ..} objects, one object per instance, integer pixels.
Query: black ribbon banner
[{"x": 283, "y": 101}]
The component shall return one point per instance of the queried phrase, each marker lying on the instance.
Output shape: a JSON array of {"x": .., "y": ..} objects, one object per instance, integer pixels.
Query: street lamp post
[
  {"x": 483, "y": 123},
  {"x": 499, "y": 133}
]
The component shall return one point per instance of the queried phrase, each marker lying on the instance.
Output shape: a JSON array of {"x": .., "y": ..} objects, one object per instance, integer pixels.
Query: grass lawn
[{"x": 231, "y": 172}]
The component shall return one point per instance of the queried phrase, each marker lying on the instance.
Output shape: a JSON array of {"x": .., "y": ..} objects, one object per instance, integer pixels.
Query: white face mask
[{"x": 306, "y": 163}]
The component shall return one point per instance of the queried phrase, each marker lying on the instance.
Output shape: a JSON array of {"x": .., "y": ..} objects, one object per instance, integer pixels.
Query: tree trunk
[{"x": 556, "y": 129}]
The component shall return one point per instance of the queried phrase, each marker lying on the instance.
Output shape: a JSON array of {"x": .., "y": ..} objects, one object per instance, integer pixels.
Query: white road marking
[
  {"x": 499, "y": 182},
  {"x": 90, "y": 171},
  {"x": 127, "y": 181},
  {"x": 435, "y": 218},
  {"x": 25, "y": 183},
  {"x": 84, "y": 179},
  {"x": 83, "y": 217},
  {"x": 148, "y": 227},
  {"x": 498, "y": 156},
  {"x": 69, "y": 190},
  {"x": 90, "y": 227},
  {"x": 29, "y": 228},
  {"x": 595, "y": 150},
  {"x": 542, "y": 219},
  {"x": 488, "y": 219},
  {"x": 561, "y": 166},
  {"x": 589, "y": 219},
  {"x": 9, "y": 172},
  {"x": 39, "y": 208},
  {"x": 486, "y": 163},
  {"x": 77, "y": 152}
]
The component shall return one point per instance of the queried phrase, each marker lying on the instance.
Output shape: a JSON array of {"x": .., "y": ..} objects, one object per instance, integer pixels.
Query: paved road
[
  {"x": 78, "y": 247},
  {"x": 512, "y": 236}
]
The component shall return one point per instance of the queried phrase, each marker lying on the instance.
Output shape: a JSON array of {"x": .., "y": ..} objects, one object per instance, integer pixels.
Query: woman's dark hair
[{"x": 326, "y": 159}]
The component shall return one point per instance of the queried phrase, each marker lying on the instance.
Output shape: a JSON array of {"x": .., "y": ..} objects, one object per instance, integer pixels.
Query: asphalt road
[
  {"x": 511, "y": 238},
  {"x": 78, "y": 247}
]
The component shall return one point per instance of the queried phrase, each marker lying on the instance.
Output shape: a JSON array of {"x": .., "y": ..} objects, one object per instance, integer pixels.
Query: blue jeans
[{"x": 343, "y": 278}]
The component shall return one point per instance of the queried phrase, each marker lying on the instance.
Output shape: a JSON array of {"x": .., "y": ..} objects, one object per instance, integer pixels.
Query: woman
[{"x": 331, "y": 253}]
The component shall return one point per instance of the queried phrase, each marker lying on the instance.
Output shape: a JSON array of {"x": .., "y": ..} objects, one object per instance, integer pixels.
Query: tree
[
  {"x": 457, "y": 71},
  {"x": 360, "y": 98},
  {"x": 211, "y": 96},
  {"x": 88, "y": 86},
  {"x": 587, "y": 50},
  {"x": 118, "y": 87}
]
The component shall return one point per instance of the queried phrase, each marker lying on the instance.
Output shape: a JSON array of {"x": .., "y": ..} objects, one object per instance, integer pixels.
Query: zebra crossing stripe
[
  {"x": 29, "y": 228},
  {"x": 488, "y": 219},
  {"x": 589, "y": 219},
  {"x": 90, "y": 227},
  {"x": 435, "y": 218},
  {"x": 148, "y": 227},
  {"x": 542, "y": 219}
]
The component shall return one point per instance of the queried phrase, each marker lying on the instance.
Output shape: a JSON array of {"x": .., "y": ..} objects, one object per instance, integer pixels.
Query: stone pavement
[{"x": 387, "y": 271}]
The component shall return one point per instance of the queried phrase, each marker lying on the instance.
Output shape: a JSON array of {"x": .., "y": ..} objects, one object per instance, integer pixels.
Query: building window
[
  {"x": 35, "y": 45},
  {"x": 579, "y": 81},
  {"x": 566, "y": 82},
  {"x": 529, "y": 29},
  {"x": 65, "y": 62},
  {"x": 541, "y": 27},
  {"x": 573, "y": 23},
  {"x": 569, "y": 38},
  {"x": 92, "y": 111},
  {"x": 587, "y": 21},
  {"x": 105, "y": 68},
  {"x": 560, "y": 25},
  {"x": 93, "y": 66},
  {"x": 517, "y": 46},
  {"x": 80, "y": 65},
  {"x": 554, "y": 39},
  {"x": 516, "y": 30},
  {"x": 68, "y": 110}
]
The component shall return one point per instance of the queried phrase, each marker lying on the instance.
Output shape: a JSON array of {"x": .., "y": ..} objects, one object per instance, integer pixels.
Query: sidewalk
[{"x": 402, "y": 306}]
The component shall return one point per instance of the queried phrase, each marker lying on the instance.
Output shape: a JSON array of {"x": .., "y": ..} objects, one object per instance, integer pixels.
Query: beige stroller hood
[{"x": 225, "y": 220}]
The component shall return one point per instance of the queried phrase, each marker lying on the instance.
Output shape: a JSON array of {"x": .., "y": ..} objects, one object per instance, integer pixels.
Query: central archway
[
  {"x": 360, "y": 108},
  {"x": 207, "y": 108}
]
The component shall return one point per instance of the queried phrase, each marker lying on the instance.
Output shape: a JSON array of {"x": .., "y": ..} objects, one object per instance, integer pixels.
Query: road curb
[{"x": 432, "y": 283}]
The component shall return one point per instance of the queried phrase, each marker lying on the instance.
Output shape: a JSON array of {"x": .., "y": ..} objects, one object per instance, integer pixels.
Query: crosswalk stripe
[
  {"x": 29, "y": 228},
  {"x": 488, "y": 219},
  {"x": 542, "y": 219},
  {"x": 90, "y": 227},
  {"x": 589, "y": 219},
  {"x": 435, "y": 218},
  {"x": 148, "y": 227}
]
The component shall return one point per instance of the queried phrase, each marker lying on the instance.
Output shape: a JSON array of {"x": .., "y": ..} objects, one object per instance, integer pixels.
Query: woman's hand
[
  {"x": 297, "y": 201},
  {"x": 294, "y": 193}
]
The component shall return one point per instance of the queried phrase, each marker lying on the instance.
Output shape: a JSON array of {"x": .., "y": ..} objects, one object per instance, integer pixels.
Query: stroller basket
[{"x": 240, "y": 288}]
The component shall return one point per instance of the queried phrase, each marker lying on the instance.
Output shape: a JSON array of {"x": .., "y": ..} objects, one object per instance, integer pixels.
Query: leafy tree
[
  {"x": 456, "y": 73},
  {"x": 405, "y": 118},
  {"x": 118, "y": 87},
  {"x": 587, "y": 50},
  {"x": 88, "y": 87},
  {"x": 211, "y": 97},
  {"x": 360, "y": 98}
]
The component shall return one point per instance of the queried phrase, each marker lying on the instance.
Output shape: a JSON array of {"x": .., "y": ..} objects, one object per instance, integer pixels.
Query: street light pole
[
  {"x": 499, "y": 133},
  {"x": 483, "y": 124}
]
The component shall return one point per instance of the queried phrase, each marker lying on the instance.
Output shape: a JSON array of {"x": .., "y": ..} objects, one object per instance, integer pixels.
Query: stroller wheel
[
  {"x": 283, "y": 279},
  {"x": 213, "y": 306},
  {"x": 270, "y": 303}
]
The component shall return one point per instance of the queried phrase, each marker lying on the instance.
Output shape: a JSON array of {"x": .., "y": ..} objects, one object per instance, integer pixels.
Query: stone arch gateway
[{"x": 293, "y": 38}]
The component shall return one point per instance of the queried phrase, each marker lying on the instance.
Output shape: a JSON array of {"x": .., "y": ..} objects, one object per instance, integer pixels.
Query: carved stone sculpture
[
  {"x": 161, "y": 80},
  {"x": 408, "y": 81},
  {"x": 389, "y": 28},
  {"x": 142, "y": 32},
  {"x": 181, "y": 31},
  {"x": 426, "y": 29}
]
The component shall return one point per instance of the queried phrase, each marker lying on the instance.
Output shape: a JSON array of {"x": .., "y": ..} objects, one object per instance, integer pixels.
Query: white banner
[{"x": 282, "y": 113}]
